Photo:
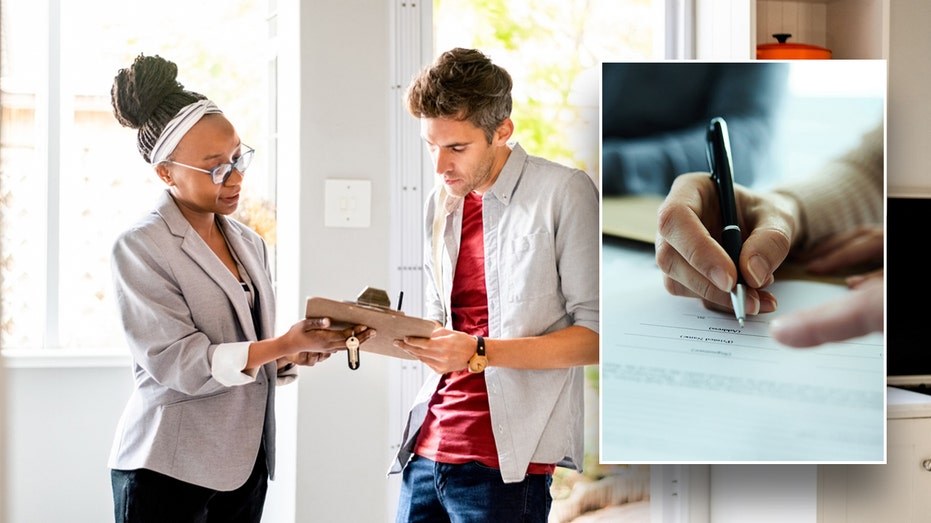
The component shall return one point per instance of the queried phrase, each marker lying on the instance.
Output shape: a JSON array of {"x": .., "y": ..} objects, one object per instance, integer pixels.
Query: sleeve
[
  {"x": 578, "y": 242},
  {"x": 847, "y": 192},
  {"x": 746, "y": 95},
  {"x": 229, "y": 360},
  {"x": 156, "y": 319}
]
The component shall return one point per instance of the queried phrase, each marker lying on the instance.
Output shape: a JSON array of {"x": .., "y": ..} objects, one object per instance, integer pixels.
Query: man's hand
[
  {"x": 444, "y": 351},
  {"x": 693, "y": 261}
]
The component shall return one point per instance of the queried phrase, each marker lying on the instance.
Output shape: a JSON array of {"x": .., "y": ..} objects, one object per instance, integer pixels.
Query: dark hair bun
[
  {"x": 138, "y": 90},
  {"x": 146, "y": 96}
]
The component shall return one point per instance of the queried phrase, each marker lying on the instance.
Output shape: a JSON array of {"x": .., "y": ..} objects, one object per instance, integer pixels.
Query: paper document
[{"x": 681, "y": 383}]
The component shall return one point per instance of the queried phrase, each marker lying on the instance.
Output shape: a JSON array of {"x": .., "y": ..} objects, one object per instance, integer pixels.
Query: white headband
[{"x": 178, "y": 127}]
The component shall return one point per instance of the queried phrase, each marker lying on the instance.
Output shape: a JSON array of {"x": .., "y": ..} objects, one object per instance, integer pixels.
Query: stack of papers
[{"x": 681, "y": 383}]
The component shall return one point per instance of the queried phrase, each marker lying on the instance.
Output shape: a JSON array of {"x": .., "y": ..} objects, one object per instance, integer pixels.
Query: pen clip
[
  {"x": 722, "y": 168},
  {"x": 718, "y": 151},
  {"x": 709, "y": 153}
]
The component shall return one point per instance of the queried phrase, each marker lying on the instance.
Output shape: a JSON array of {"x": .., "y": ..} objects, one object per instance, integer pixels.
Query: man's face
[{"x": 461, "y": 154}]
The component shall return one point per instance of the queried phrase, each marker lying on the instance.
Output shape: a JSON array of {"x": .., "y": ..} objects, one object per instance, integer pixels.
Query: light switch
[{"x": 348, "y": 203}]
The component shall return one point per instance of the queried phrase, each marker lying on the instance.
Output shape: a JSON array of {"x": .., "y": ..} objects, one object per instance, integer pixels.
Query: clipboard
[{"x": 372, "y": 309}]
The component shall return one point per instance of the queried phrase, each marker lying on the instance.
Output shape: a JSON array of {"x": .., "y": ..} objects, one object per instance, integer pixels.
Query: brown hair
[
  {"x": 462, "y": 84},
  {"x": 146, "y": 96}
]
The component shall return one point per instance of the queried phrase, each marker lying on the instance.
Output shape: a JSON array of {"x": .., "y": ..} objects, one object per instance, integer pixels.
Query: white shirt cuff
[{"x": 229, "y": 360}]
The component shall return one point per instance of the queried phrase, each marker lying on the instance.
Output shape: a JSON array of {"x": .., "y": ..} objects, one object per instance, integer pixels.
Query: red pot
[{"x": 786, "y": 51}]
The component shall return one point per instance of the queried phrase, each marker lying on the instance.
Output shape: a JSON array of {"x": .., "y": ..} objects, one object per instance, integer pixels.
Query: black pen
[{"x": 722, "y": 172}]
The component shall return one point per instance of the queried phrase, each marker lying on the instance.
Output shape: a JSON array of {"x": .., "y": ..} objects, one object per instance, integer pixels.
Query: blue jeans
[{"x": 470, "y": 493}]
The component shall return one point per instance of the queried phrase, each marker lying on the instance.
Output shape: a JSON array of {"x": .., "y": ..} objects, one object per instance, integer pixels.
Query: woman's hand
[
  {"x": 324, "y": 341},
  {"x": 314, "y": 335}
]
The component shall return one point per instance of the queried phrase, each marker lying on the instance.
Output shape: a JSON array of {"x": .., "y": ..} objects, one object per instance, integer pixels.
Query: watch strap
[{"x": 478, "y": 361}]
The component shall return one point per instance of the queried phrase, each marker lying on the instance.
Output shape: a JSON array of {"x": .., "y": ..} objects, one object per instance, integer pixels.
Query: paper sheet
[{"x": 681, "y": 383}]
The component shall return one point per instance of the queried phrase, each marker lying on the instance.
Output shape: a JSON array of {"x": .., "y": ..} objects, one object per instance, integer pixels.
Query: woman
[{"x": 196, "y": 441}]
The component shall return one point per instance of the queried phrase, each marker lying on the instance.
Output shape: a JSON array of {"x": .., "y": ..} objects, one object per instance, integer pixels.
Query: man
[{"x": 514, "y": 250}]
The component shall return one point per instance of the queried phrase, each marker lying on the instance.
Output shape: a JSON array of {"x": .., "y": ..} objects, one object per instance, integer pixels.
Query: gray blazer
[{"x": 177, "y": 302}]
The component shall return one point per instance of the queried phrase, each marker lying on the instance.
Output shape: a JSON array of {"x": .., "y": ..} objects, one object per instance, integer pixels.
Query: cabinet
[
  {"x": 897, "y": 491},
  {"x": 851, "y": 29}
]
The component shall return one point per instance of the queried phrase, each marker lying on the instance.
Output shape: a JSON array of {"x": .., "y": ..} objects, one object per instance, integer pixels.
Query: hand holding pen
[{"x": 689, "y": 249}]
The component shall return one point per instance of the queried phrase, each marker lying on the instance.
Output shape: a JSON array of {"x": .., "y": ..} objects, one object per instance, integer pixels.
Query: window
[
  {"x": 70, "y": 176},
  {"x": 553, "y": 49}
]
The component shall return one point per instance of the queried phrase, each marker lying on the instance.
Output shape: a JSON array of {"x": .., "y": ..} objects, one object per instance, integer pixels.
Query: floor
[
  {"x": 623, "y": 497},
  {"x": 636, "y": 512}
]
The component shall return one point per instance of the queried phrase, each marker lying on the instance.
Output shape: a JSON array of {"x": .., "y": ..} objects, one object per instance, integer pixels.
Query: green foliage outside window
[{"x": 553, "y": 50}]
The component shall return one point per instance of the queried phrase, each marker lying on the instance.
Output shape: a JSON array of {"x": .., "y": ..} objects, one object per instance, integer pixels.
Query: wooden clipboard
[{"x": 389, "y": 324}]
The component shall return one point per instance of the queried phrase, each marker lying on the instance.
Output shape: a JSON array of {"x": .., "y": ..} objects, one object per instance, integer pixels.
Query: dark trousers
[{"x": 144, "y": 496}]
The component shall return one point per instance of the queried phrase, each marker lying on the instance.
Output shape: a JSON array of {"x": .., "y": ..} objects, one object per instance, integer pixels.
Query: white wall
[
  {"x": 763, "y": 493},
  {"x": 909, "y": 112},
  {"x": 60, "y": 424},
  {"x": 61, "y": 414},
  {"x": 342, "y": 432}
]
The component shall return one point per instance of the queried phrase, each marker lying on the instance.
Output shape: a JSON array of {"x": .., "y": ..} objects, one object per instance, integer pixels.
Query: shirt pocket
[{"x": 529, "y": 268}]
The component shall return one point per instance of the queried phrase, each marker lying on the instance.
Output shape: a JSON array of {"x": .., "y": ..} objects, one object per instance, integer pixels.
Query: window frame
[{"x": 52, "y": 107}]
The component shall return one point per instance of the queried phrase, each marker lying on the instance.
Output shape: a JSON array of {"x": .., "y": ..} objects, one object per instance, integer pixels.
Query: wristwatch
[{"x": 478, "y": 361}]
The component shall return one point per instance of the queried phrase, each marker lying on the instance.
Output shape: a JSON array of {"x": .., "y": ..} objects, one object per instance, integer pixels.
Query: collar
[
  {"x": 504, "y": 185},
  {"x": 168, "y": 209}
]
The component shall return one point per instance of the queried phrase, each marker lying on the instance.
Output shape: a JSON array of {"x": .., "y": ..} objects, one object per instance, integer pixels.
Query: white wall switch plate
[{"x": 348, "y": 203}]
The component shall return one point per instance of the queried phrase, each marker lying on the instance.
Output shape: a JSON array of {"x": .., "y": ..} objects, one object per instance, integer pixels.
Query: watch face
[{"x": 477, "y": 363}]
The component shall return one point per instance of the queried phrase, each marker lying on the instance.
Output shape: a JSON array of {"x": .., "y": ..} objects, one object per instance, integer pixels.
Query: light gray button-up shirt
[{"x": 542, "y": 239}]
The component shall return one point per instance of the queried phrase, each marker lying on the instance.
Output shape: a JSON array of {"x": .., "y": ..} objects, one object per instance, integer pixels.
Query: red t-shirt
[{"x": 457, "y": 428}]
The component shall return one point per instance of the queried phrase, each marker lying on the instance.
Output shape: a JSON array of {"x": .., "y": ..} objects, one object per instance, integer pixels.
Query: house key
[{"x": 352, "y": 343}]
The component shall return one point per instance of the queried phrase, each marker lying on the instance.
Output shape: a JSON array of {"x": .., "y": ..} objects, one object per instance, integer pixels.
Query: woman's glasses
[{"x": 221, "y": 173}]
